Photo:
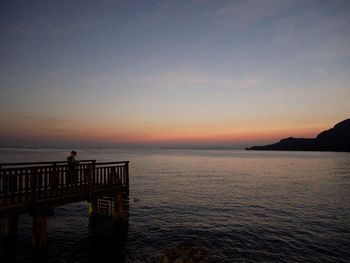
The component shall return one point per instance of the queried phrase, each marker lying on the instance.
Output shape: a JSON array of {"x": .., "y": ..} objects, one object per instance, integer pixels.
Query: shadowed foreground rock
[{"x": 189, "y": 253}]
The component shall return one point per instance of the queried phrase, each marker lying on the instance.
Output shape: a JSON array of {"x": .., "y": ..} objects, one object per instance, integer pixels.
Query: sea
[{"x": 242, "y": 206}]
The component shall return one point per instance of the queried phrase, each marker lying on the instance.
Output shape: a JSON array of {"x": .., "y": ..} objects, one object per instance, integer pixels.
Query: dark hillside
[{"x": 334, "y": 139}]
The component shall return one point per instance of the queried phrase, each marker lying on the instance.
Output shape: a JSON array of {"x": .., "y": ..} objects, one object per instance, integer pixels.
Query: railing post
[
  {"x": 127, "y": 176},
  {"x": 5, "y": 187},
  {"x": 92, "y": 177},
  {"x": 112, "y": 177},
  {"x": 92, "y": 200},
  {"x": 54, "y": 179},
  {"x": 13, "y": 185},
  {"x": 33, "y": 182}
]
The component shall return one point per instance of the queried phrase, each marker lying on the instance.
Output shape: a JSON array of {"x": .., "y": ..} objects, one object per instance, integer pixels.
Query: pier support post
[
  {"x": 119, "y": 213},
  {"x": 10, "y": 238},
  {"x": 11, "y": 223},
  {"x": 127, "y": 177},
  {"x": 39, "y": 229},
  {"x": 92, "y": 206}
]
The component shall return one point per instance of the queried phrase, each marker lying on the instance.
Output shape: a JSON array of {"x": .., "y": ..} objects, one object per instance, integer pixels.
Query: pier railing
[{"x": 31, "y": 183}]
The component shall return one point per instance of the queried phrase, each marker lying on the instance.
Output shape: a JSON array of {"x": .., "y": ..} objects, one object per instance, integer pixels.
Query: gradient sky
[{"x": 228, "y": 73}]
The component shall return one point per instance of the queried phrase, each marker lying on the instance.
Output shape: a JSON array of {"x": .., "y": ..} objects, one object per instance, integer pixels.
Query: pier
[{"x": 37, "y": 188}]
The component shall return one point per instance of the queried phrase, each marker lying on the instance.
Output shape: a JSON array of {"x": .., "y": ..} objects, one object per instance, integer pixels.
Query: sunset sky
[{"x": 176, "y": 73}]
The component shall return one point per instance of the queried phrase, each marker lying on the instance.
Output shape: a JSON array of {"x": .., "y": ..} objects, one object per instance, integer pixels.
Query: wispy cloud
[
  {"x": 314, "y": 33},
  {"x": 321, "y": 72},
  {"x": 184, "y": 80},
  {"x": 324, "y": 53},
  {"x": 250, "y": 11},
  {"x": 34, "y": 121},
  {"x": 196, "y": 79}
]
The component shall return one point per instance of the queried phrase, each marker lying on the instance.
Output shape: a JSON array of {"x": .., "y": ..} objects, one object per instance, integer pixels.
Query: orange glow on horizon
[
  {"x": 214, "y": 134},
  {"x": 220, "y": 132}
]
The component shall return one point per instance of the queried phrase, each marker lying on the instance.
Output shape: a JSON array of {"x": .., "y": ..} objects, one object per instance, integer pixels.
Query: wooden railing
[{"x": 33, "y": 182}]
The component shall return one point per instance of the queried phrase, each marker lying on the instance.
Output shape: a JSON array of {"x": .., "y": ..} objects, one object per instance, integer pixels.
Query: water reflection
[
  {"x": 108, "y": 240},
  {"x": 105, "y": 240},
  {"x": 246, "y": 206},
  {"x": 8, "y": 242}
]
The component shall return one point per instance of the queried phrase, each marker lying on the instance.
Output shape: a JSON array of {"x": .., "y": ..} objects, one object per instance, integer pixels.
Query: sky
[{"x": 171, "y": 73}]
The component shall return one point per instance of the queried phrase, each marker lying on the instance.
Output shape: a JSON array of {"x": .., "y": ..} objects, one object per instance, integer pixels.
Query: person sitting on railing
[{"x": 72, "y": 172}]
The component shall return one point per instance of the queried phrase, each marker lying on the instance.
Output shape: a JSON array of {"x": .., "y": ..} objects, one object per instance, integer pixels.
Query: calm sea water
[{"x": 243, "y": 206}]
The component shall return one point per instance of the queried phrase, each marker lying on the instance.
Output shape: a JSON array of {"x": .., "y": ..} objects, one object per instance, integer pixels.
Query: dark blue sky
[{"x": 172, "y": 71}]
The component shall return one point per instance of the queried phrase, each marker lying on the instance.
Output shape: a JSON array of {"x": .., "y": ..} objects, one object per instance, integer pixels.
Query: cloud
[
  {"x": 23, "y": 121},
  {"x": 185, "y": 80},
  {"x": 47, "y": 122},
  {"x": 314, "y": 33},
  {"x": 324, "y": 54},
  {"x": 191, "y": 79},
  {"x": 250, "y": 11},
  {"x": 321, "y": 72}
]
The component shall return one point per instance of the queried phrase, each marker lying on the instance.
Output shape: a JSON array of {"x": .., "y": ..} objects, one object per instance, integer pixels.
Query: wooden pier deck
[
  {"x": 27, "y": 185},
  {"x": 40, "y": 186}
]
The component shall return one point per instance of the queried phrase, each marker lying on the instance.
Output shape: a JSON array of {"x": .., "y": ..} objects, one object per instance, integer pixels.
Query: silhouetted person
[{"x": 72, "y": 172}]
